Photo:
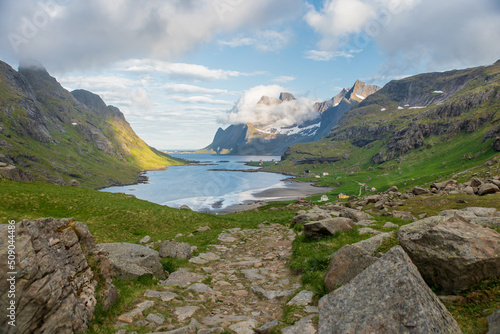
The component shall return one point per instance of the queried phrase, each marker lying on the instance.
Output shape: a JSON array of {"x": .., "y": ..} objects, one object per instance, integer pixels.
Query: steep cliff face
[{"x": 56, "y": 136}]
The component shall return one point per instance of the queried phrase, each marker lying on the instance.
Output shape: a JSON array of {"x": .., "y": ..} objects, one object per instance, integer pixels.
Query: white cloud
[
  {"x": 288, "y": 113},
  {"x": 180, "y": 71},
  {"x": 200, "y": 99},
  {"x": 412, "y": 33},
  {"x": 84, "y": 34},
  {"x": 283, "y": 79},
  {"x": 191, "y": 89},
  {"x": 265, "y": 41},
  {"x": 319, "y": 55}
]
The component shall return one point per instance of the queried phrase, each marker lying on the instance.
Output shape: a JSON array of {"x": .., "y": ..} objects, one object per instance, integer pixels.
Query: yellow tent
[{"x": 342, "y": 196}]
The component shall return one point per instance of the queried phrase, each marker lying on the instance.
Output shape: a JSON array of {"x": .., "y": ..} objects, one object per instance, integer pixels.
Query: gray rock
[
  {"x": 183, "y": 278},
  {"x": 16, "y": 174},
  {"x": 444, "y": 185},
  {"x": 350, "y": 260},
  {"x": 311, "y": 309},
  {"x": 355, "y": 215},
  {"x": 74, "y": 183},
  {"x": 252, "y": 274},
  {"x": 452, "y": 253},
  {"x": 487, "y": 217},
  {"x": 145, "y": 240},
  {"x": 392, "y": 189},
  {"x": 303, "y": 298},
  {"x": 303, "y": 217},
  {"x": 271, "y": 294},
  {"x": 136, "y": 312},
  {"x": 131, "y": 261},
  {"x": 390, "y": 225},
  {"x": 219, "y": 319},
  {"x": 165, "y": 296},
  {"x": 157, "y": 319},
  {"x": 225, "y": 237},
  {"x": 244, "y": 327},
  {"x": 365, "y": 223},
  {"x": 303, "y": 326},
  {"x": 469, "y": 191},
  {"x": 209, "y": 256},
  {"x": 55, "y": 287},
  {"x": 388, "y": 297},
  {"x": 199, "y": 288},
  {"x": 419, "y": 191},
  {"x": 475, "y": 182},
  {"x": 494, "y": 323},
  {"x": 487, "y": 188},
  {"x": 202, "y": 229},
  {"x": 327, "y": 227},
  {"x": 198, "y": 260},
  {"x": 267, "y": 328},
  {"x": 214, "y": 330},
  {"x": 405, "y": 215},
  {"x": 185, "y": 312},
  {"x": 176, "y": 250}
]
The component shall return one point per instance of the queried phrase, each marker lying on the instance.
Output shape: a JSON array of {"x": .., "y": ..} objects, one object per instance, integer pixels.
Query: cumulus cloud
[
  {"x": 79, "y": 34},
  {"x": 411, "y": 33},
  {"x": 287, "y": 113}
]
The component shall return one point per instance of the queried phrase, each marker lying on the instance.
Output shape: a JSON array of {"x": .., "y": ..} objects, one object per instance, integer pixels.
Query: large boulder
[
  {"x": 15, "y": 174},
  {"x": 327, "y": 227},
  {"x": 354, "y": 214},
  {"x": 302, "y": 217},
  {"x": 419, "y": 191},
  {"x": 445, "y": 185},
  {"x": 55, "y": 287},
  {"x": 350, "y": 260},
  {"x": 452, "y": 253},
  {"x": 388, "y": 297},
  {"x": 130, "y": 261},
  {"x": 487, "y": 217},
  {"x": 176, "y": 250},
  {"x": 487, "y": 188}
]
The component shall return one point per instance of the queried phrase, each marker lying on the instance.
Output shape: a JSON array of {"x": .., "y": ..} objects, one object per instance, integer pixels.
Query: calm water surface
[{"x": 201, "y": 189}]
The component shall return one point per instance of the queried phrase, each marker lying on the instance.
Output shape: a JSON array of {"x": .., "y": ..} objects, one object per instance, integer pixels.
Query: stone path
[{"x": 240, "y": 285}]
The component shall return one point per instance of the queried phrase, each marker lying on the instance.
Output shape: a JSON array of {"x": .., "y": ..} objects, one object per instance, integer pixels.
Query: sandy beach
[{"x": 293, "y": 190}]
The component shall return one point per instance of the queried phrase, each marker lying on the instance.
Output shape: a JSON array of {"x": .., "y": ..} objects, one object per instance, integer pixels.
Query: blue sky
[{"x": 176, "y": 68}]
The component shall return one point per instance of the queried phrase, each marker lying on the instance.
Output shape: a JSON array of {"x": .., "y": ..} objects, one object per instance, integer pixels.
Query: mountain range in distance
[{"x": 261, "y": 138}]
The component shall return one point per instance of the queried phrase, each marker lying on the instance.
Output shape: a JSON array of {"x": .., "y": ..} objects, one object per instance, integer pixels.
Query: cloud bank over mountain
[{"x": 274, "y": 114}]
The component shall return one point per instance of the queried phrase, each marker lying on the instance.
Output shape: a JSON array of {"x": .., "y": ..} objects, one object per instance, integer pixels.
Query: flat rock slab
[
  {"x": 219, "y": 318},
  {"x": 185, "y": 312},
  {"x": 244, "y": 327},
  {"x": 271, "y": 294},
  {"x": 224, "y": 237},
  {"x": 183, "y": 278},
  {"x": 130, "y": 261},
  {"x": 199, "y": 288},
  {"x": 209, "y": 256},
  {"x": 303, "y": 298},
  {"x": 388, "y": 297},
  {"x": 252, "y": 274},
  {"x": 303, "y": 326},
  {"x": 130, "y": 316},
  {"x": 165, "y": 296},
  {"x": 267, "y": 328}
]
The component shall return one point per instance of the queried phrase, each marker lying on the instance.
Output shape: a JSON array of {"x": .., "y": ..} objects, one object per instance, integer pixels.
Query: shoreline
[{"x": 292, "y": 191}]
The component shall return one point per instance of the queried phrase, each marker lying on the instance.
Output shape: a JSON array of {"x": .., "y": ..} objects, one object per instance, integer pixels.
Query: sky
[{"x": 180, "y": 69}]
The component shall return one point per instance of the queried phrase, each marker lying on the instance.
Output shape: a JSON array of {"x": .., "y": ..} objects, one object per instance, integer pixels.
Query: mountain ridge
[{"x": 56, "y": 136}]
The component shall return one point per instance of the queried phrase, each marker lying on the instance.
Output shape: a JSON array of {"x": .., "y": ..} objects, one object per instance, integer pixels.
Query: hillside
[
  {"x": 261, "y": 138},
  {"x": 56, "y": 136},
  {"x": 428, "y": 125}
]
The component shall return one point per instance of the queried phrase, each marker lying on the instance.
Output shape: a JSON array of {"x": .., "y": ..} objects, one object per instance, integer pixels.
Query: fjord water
[{"x": 202, "y": 189}]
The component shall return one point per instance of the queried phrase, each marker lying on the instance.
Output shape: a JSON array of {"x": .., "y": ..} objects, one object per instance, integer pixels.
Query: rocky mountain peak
[
  {"x": 91, "y": 100},
  {"x": 287, "y": 97},
  {"x": 269, "y": 101},
  {"x": 31, "y": 64}
]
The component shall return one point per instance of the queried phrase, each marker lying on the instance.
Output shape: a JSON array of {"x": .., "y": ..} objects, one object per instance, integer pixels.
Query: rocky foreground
[{"x": 242, "y": 283}]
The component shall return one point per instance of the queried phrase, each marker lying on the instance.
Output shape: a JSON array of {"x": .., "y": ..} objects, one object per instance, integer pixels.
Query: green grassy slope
[{"x": 45, "y": 131}]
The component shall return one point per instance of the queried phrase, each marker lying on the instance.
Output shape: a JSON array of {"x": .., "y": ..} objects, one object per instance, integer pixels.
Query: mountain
[
  {"x": 432, "y": 123},
  {"x": 262, "y": 138},
  {"x": 56, "y": 136}
]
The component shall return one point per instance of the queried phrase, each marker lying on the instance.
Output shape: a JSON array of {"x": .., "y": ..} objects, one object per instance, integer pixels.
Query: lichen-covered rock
[
  {"x": 130, "y": 261},
  {"x": 388, "y": 297},
  {"x": 176, "y": 250},
  {"x": 350, "y": 260},
  {"x": 487, "y": 188},
  {"x": 55, "y": 285},
  {"x": 452, "y": 253}
]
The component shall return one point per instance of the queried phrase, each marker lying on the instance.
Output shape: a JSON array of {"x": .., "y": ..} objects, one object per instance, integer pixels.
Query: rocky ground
[{"x": 242, "y": 284}]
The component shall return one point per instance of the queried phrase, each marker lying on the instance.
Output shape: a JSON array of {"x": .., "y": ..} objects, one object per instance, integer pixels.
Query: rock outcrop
[
  {"x": 350, "y": 260},
  {"x": 452, "y": 253},
  {"x": 14, "y": 173},
  {"x": 55, "y": 284},
  {"x": 131, "y": 261},
  {"x": 388, "y": 297},
  {"x": 176, "y": 250},
  {"x": 327, "y": 227}
]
